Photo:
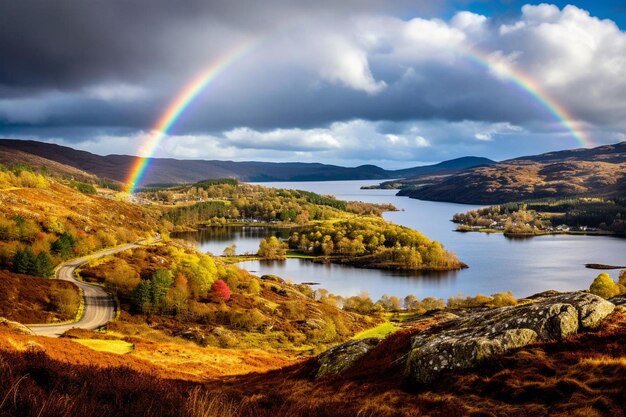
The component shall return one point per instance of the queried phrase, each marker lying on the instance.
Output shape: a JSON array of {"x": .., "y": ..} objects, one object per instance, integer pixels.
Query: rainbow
[
  {"x": 194, "y": 88},
  {"x": 529, "y": 85},
  {"x": 178, "y": 106}
]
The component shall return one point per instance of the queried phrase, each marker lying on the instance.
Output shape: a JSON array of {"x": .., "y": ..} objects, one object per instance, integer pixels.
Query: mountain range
[{"x": 174, "y": 171}]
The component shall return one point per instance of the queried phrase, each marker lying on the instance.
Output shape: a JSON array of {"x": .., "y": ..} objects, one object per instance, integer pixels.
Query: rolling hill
[
  {"x": 596, "y": 172},
  {"x": 174, "y": 171}
]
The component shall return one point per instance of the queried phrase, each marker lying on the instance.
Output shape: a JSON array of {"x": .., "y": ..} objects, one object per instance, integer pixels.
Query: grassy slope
[
  {"x": 585, "y": 375},
  {"x": 84, "y": 212},
  {"x": 27, "y": 299}
]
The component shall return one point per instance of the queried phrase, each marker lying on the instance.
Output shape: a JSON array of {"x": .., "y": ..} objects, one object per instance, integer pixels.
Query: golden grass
[
  {"x": 119, "y": 347},
  {"x": 380, "y": 331}
]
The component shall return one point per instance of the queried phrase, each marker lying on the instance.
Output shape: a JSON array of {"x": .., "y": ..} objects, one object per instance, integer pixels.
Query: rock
[
  {"x": 342, "y": 357},
  {"x": 273, "y": 278},
  {"x": 15, "y": 327},
  {"x": 464, "y": 342},
  {"x": 620, "y": 300},
  {"x": 593, "y": 311},
  {"x": 193, "y": 334}
]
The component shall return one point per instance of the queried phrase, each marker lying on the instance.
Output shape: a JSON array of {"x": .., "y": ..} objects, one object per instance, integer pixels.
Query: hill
[
  {"x": 429, "y": 174},
  {"x": 596, "y": 172},
  {"x": 174, "y": 171}
]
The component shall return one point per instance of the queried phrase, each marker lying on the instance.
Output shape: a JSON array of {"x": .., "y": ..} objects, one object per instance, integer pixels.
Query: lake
[{"x": 496, "y": 263}]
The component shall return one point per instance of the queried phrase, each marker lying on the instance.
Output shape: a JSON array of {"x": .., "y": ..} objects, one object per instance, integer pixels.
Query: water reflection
[{"x": 215, "y": 239}]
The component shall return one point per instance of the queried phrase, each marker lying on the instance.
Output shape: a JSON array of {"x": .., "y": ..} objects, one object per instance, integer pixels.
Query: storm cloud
[{"x": 349, "y": 81}]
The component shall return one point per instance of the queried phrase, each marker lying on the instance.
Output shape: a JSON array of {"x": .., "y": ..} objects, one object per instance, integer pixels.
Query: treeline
[
  {"x": 603, "y": 214},
  {"x": 363, "y": 304},
  {"x": 371, "y": 241},
  {"x": 232, "y": 201}
]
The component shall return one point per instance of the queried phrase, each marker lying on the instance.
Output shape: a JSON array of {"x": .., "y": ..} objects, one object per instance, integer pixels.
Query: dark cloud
[{"x": 76, "y": 68}]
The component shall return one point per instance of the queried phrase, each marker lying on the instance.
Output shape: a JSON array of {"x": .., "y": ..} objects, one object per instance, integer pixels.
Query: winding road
[{"x": 99, "y": 305}]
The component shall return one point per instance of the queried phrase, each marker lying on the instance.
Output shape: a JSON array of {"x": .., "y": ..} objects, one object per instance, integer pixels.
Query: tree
[
  {"x": 221, "y": 290},
  {"x": 64, "y": 245},
  {"x": 604, "y": 286},
  {"x": 410, "y": 302},
  {"x": 122, "y": 278},
  {"x": 43, "y": 266},
  {"x": 230, "y": 250},
  {"x": 24, "y": 261},
  {"x": 162, "y": 280},
  {"x": 272, "y": 248},
  {"x": 142, "y": 296}
]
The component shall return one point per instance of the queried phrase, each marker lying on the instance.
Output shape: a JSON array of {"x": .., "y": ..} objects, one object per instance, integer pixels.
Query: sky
[{"x": 391, "y": 83}]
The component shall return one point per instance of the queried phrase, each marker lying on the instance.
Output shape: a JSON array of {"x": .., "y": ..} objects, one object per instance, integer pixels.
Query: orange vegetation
[
  {"x": 165, "y": 359},
  {"x": 585, "y": 375},
  {"x": 28, "y": 299}
]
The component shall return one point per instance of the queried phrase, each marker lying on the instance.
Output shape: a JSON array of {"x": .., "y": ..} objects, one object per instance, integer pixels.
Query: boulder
[
  {"x": 343, "y": 357},
  {"x": 15, "y": 327},
  {"x": 464, "y": 342}
]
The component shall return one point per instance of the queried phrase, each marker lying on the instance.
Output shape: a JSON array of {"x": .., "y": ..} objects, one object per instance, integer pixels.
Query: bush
[
  {"x": 65, "y": 301},
  {"x": 84, "y": 188},
  {"x": 221, "y": 290},
  {"x": 604, "y": 286}
]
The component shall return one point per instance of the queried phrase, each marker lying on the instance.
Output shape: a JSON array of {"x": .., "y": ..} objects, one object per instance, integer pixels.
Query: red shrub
[{"x": 221, "y": 290}]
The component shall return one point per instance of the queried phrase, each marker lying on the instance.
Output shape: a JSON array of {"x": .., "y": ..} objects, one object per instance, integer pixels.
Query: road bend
[{"x": 99, "y": 306}]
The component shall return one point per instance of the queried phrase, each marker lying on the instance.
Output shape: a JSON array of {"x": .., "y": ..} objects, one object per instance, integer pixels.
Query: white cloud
[
  {"x": 489, "y": 132},
  {"x": 349, "y": 65}
]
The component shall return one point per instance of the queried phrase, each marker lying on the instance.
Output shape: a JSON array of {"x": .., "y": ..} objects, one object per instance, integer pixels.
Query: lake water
[{"x": 496, "y": 263}]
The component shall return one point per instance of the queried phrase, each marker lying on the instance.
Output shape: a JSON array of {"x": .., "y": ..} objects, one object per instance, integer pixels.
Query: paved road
[{"x": 99, "y": 305}]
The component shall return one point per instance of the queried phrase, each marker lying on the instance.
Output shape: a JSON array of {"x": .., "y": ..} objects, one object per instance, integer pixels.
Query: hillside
[
  {"x": 174, "y": 171},
  {"x": 582, "y": 374},
  {"x": 597, "y": 172},
  {"x": 433, "y": 173}
]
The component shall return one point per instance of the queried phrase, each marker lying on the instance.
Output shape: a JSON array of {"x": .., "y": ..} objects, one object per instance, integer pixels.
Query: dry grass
[
  {"x": 112, "y": 346},
  {"x": 584, "y": 375},
  {"x": 27, "y": 299}
]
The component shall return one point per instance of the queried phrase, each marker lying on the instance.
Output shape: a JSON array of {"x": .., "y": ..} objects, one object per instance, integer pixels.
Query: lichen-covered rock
[
  {"x": 15, "y": 326},
  {"x": 463, "y": 342},
  {"x": 620, "y": 300},
  {"x": 342, "y": 357}
]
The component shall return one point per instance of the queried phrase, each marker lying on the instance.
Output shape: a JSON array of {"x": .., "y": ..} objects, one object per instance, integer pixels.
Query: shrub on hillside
[
  {"x": 221, "y": 290},
  {"x": 604, "y": 286}
]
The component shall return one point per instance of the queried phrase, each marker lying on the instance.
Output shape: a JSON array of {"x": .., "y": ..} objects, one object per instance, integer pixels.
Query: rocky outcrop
[
  {"x": 15, "y": 326},
  {"x": 464, "y": 342},
  {"x": 342, "y": 357}
]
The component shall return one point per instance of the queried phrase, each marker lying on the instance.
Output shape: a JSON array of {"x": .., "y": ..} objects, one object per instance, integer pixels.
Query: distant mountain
[
  {"x": 599, "y": 172},
  {"x": 172, "y": 171},
  {"x": 445, "y": 166}
]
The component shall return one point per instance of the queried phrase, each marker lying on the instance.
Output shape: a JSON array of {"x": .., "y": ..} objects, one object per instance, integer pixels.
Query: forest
[
  {"x": 370, "y": 241},
  {"x": 228, "y": 201}
]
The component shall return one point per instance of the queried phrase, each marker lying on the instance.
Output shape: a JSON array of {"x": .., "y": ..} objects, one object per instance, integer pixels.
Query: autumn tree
[
  {"x": 230, "y": 250},
  {"x": 122, "y": 278},
  {"x": 272, "y": 248}
]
